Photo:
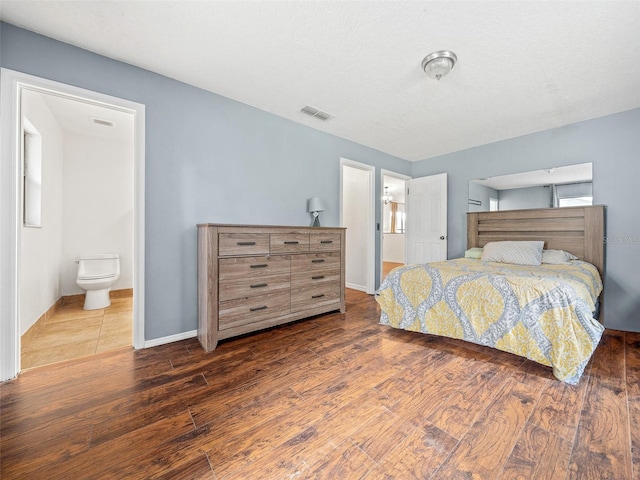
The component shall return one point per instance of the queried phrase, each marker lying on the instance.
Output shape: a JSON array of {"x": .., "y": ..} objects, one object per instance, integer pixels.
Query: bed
[{"x": 547, "y": 313}]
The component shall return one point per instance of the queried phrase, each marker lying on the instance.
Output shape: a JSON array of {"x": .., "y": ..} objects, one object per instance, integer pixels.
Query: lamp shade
[{"x": 314, "y": 204}]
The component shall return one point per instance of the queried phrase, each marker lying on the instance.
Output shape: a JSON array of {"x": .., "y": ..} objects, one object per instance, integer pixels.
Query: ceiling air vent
[
  {"x": 314, "y": 112},
  {"x": 99, "y": 121}
]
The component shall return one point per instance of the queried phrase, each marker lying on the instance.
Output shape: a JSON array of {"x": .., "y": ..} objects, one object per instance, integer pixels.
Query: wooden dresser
[{"x": 255, "y": 277}]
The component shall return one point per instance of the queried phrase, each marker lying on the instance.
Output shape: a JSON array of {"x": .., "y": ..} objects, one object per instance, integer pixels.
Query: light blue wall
[
  {"x": 529, "y": 197},
  {"x": 481, "y": 194},
  {"x": 612, "y": 143},
  {"x": 208, "y": 159}
]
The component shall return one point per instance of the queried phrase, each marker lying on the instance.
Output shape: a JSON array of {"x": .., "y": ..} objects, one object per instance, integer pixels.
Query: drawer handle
[
  {"x": 319, "y": 260},
  {"x": 255, "y": 309},
  {"x": 317, "y": 296},
  {"x": 262, "y": 265},
  {"x": 258, "y": 285},
  {"x": 326, "y": 241},
  {"x": 245, "y": 244},
  {"x": 317, "y": 277},
  {"x": 293, "y": 242}
]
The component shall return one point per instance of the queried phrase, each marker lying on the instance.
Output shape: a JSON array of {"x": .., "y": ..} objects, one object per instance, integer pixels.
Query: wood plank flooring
[
  {"x": 336, "y": 397},
  {"x": 388, "y": 266}
]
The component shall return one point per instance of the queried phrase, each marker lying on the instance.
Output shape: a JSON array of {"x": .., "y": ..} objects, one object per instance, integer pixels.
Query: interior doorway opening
[
  {"x": 86, "y": 179},
  {"x": 15, "y": 234},
  {"x": 394, "y": 221},
  {"x": 357, "y": 215}
]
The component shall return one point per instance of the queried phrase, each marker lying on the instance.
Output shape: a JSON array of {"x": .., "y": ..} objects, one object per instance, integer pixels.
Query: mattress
[{"x": 543, "y": 313}]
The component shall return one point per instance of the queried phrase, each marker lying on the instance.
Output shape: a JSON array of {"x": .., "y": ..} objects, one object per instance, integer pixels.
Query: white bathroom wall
[
  {"x": 41, "y": 247},
  {"x": 393, "y": 247},
  {"x": 354, "y": 217},
  {"x": 97, "y": 205}
]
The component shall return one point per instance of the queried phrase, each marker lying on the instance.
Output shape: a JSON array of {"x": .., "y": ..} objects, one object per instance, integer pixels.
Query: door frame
[
  {"x": 11, "y": 86},
  {"x": 400, "y": 176},
  {"x": 370, "y": 216}
]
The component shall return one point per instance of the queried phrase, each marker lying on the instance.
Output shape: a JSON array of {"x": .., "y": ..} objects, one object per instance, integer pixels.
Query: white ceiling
[
  {"x": 522, "y": 66},
  {"x": 76, "y": 117}
]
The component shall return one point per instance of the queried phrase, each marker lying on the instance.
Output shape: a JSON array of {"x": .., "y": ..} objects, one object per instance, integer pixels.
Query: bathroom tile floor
[{"x": 72, "y": 332}]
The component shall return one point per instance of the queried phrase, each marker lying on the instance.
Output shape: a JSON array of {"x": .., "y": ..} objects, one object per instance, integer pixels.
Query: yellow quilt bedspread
[{"x": 543, "y": 313}]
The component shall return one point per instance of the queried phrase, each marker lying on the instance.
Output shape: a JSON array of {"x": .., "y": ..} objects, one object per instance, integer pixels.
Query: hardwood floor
[
  {"x": 335, "y": 397},
  {"x": 71, "y": 332},
  {"x": 388, "y": 266}
]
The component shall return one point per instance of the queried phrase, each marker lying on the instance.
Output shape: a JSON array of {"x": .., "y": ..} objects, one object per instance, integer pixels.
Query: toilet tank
[{"x": 99, "y": 265}]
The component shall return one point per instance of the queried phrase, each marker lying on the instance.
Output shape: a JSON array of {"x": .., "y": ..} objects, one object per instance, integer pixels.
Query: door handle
[{"x": 442, "y": 237}]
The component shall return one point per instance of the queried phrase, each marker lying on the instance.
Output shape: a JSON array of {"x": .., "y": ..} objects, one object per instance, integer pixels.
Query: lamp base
[{"x": 316, "y": 219}]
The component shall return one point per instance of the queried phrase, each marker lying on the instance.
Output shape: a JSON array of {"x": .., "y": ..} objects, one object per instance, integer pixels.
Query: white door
[{"x": 427, "y": 219}]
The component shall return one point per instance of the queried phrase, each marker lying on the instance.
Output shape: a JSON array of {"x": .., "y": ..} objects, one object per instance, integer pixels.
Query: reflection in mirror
[{"x": 552, "y": 187}]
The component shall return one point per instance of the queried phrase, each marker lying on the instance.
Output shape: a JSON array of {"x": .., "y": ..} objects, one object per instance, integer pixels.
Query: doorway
[
  {"x": 62, "y": 101},
  {"x": 393, "y": 231},
  {"x": 357, "y": 215}
]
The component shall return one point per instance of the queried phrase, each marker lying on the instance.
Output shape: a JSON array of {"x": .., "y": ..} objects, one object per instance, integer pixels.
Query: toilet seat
[{"x": 95, "y": 277}]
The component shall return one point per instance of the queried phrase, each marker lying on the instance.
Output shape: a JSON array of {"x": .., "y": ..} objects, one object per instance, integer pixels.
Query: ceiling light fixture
[
  {"x": 386, "y": 197},
  {"x": 438, "y": 64}
]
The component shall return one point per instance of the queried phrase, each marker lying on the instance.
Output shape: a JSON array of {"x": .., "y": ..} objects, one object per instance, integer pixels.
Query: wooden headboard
[{"x": 579, "y": 230}]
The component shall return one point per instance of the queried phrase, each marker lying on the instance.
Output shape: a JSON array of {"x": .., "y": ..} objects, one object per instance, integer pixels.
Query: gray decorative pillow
[
  {"x": 557, "y": 257},
  {"x": 517, "y": 252}
]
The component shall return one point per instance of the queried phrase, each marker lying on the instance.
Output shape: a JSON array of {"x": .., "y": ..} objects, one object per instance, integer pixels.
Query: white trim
[
  {"x": 170, "y": 339},
  {"x": 388, "y": 173},
  {"x": 9, "y": 215},
  {"x": 371, "y": 241},
  {"x": 353, "y": 286},
  {"x": 11, "y": 85}
]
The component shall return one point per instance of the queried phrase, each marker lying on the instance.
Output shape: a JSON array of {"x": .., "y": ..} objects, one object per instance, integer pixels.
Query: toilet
[{"x": 96, "y": 274}]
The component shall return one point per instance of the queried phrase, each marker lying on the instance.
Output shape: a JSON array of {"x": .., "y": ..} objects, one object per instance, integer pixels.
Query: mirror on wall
[{"x": 548, "y": 188}]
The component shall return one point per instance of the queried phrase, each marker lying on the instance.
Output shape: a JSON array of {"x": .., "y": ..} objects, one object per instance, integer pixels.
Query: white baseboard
[
  {"x": 170, "y": 339},
  {"x": 356, "y": 287}
]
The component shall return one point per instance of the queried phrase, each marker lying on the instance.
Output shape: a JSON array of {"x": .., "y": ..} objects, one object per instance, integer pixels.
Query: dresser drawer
[
  {"x": 289, "y": 242},
  {"x": 243, "y": 244},
  {"x": 324, "y": 242},
  {"x": 315, "y": 262},
  {"x": 253, "y": 286},
  {"x": 252, "y": 267},
  {"x": 243, "y": 311},
  {"x": 313, "y": 296},
  {"x": 305, "y": 279}
]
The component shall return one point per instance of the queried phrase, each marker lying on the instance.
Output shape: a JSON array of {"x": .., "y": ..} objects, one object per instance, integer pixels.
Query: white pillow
[
  {"x": 517, "y": 252},
  {"x": 557, "y": 257}
]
